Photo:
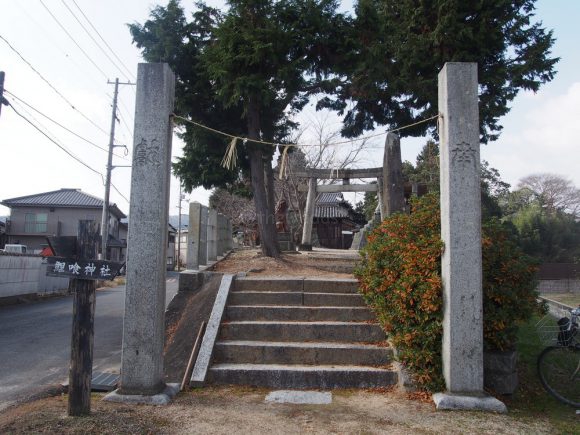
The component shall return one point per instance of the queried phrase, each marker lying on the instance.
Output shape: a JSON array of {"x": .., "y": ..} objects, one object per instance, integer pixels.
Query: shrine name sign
[{"x": 83, "y": 269}]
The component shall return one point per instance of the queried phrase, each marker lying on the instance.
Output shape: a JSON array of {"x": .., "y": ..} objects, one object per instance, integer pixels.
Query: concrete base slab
[
  {"x": 300, "y": 397},
  {"x": 163, "y": 398},
  {"x": 468, "y": 403}
]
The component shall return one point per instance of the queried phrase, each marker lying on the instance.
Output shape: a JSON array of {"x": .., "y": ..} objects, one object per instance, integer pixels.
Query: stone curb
[
  {"x": 556, "y": 304},
  {"x": 447, "y": 401},
  {"x": 163, "y": 398},
  {"x": 189, "y": 278},
  {"x": 299, "y": 397},
  {"x": 209, "y": 338}
]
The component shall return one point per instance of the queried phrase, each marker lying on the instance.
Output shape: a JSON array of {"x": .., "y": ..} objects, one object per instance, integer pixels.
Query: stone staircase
[
  {"x": 300, "y": 333},
  {"x": 359, "y": 240}
]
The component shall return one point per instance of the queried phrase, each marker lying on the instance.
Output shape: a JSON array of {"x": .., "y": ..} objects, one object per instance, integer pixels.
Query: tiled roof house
[{"x": 57, "y": 213}]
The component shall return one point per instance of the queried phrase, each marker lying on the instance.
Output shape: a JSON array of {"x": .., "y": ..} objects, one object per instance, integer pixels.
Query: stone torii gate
[
  {"x": 142, "y": 378},
  {"x": 389, "y": 185}
]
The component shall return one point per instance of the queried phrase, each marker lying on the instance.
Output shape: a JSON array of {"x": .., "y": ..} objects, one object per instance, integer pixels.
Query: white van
[{"x": 15, "y": 249}]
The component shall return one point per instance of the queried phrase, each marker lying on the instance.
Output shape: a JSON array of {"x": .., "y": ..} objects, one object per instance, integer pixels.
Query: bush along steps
[{"x": 400, "y": 279}]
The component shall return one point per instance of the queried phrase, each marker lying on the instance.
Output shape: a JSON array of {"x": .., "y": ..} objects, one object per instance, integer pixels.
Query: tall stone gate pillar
[
  {"x": 461, "y": 265},
  {"x": 144, "y": 325}
]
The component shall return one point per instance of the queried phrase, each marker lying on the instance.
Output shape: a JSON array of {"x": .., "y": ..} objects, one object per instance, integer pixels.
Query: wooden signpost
[{"x": 75, "y": 259}]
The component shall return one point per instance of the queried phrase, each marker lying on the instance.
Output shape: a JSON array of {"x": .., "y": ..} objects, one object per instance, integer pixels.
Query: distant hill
[{"x": 174, "y": 220}]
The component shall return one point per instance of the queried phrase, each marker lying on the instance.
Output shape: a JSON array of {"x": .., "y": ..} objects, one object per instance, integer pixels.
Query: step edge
[
  {"x": 301, "y": 367},
  {"x": 298, "y": 344}
]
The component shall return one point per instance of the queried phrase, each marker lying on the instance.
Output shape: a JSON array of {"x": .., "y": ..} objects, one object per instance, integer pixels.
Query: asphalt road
[{"x": 35, "y": 341}]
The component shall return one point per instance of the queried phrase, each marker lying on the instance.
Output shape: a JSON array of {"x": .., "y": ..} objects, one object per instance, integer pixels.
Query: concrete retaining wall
[
  {"x": 559, "y": 286},
  {"x": 557, "y": 309},
  {"x": 25, "y": 274}
]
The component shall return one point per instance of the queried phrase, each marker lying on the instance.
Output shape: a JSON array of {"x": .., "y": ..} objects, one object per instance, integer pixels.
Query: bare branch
[{"x": 554, "y": 192}]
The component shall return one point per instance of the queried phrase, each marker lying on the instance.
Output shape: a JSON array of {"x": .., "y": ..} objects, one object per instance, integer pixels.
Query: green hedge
[{"x": 400, "y": 278}]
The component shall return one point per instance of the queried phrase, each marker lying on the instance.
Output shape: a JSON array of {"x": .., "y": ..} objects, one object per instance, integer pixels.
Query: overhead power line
[
  {"x": 117, "y": 190},
  {"x": 93, "y": 39},
  {"x": 122, "y": 117},
  {"x": 66, "y": 100},
  {"x": 69, "y": 153},
  {"x": 60, "y": 125},
  {"x": 104, "y": 42},
  {"x": 73, "y": 39},
  {"x": 31, "y": 116},
  {"x": 54, "y": 141},
  {"x": 87, "y": 73}
]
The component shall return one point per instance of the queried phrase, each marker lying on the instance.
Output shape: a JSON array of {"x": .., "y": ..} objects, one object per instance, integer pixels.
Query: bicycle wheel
[{"x": 559, "y": 371}]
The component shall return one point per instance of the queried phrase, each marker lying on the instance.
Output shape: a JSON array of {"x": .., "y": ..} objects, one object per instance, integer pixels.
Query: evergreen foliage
[
  {"x": 244, "y": 72},
  {"x": 168, "y": 37},
  {"x": 549, "y": 237},
  {"x": 400, "y": 46},
  {"x": 248, "y": 70},
  {"x": 544, "y": 210}
]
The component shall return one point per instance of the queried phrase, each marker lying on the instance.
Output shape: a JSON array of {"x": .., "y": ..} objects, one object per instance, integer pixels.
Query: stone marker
[
  {"x": 202, "y": 254},
  {"x": 144, "y": 325},
  {"x": 221, "y": 238},
  {"x": 212, "y": 234},
  {"x": 393, "y": 187},
  {"x": 194, "y": 236},
  {"x": 229, "y": 237},
  {"x": 461, "y": 268},
  {"x": 306, "y": 244}
]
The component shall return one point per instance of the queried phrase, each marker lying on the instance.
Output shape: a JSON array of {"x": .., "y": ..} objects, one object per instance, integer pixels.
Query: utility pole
[
  {"x": 105, "y": 218},
  {"x": 2, "y": 100}
]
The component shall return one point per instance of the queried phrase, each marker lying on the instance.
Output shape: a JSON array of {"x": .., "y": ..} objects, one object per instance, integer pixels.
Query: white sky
[{"x": 541, "y": 133}]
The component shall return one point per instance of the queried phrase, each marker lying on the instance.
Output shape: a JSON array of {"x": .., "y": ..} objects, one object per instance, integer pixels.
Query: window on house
[{"x": 35, "y": 222}]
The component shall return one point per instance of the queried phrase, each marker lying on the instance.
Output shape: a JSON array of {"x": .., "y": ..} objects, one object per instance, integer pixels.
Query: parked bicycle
[{"x": 559, "y": 362}]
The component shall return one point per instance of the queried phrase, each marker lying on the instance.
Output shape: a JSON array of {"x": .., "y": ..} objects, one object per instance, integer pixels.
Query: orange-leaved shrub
[{"x": 400, "y": 278}]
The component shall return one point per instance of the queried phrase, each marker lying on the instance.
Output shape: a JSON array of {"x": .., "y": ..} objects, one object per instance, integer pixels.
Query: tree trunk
[{"x": 265, "y": 216}]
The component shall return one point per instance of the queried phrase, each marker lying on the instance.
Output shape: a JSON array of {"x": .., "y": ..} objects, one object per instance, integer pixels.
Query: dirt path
[
  {"x": 330, "y": 263},
  {"x": 229, "y": 410}
]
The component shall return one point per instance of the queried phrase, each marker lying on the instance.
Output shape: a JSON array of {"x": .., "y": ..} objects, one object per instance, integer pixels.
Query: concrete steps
[
  {"x": 300, "y": 333},
  {"x": 306, "y": 353},
  {"x": 295, "y": 298},
  {"x": 298, "y": 313},
  {"x": 302, "y": 376},
  {"x": 292, "y": 284}
]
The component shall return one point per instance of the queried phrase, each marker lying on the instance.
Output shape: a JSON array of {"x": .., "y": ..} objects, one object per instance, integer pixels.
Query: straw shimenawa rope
[
  {"x": 284, "y": 162},
  {"x": 230, "y": 158}
]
